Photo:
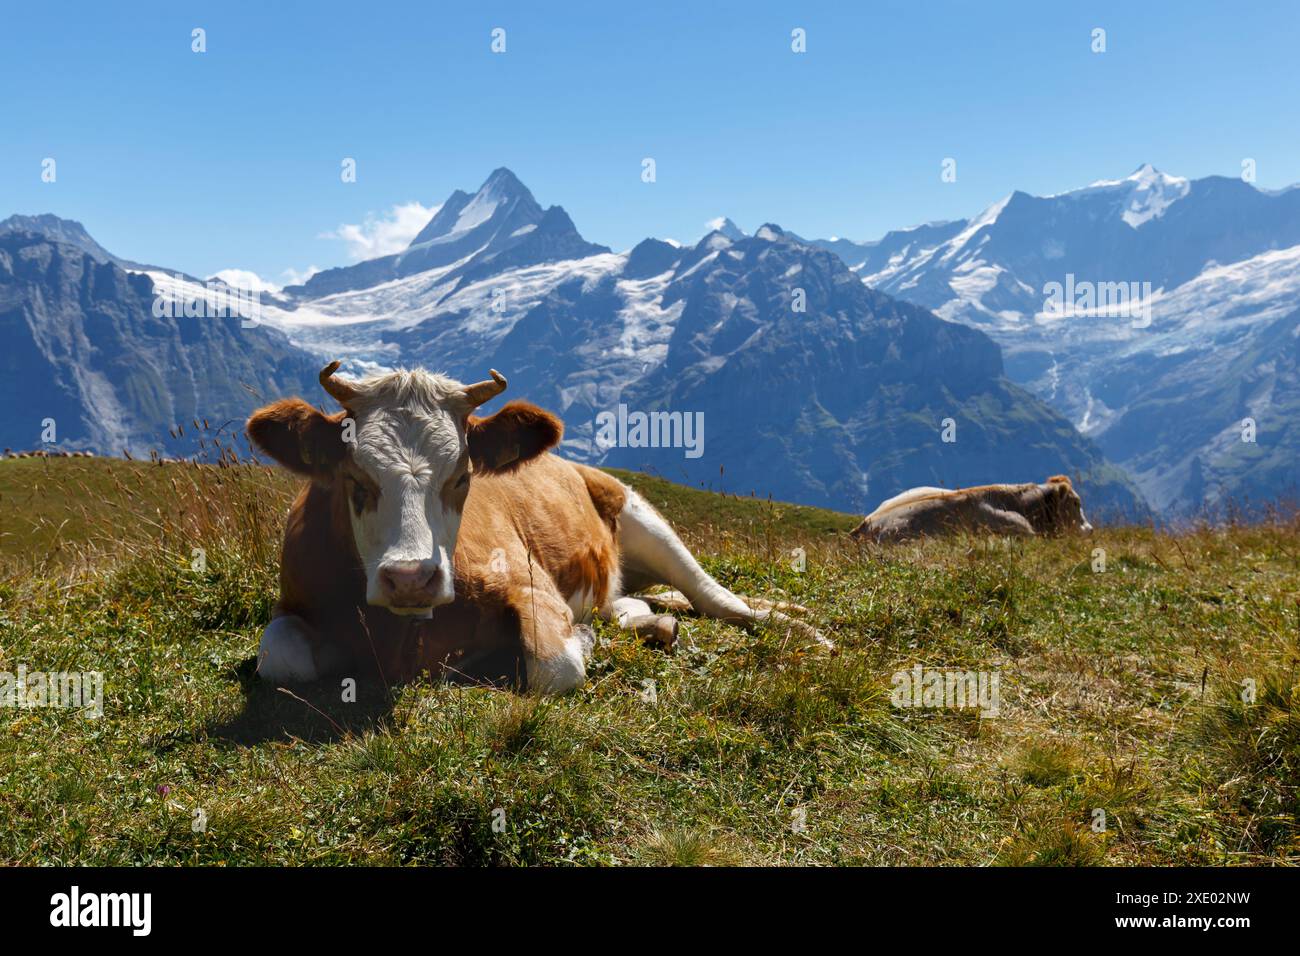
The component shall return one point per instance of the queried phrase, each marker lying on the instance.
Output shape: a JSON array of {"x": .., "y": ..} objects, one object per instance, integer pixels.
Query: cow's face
[
  {"x": 400, "y": 459},
  {"x": 405, "y": 483},
  {"x": 1065, "y": 509}
]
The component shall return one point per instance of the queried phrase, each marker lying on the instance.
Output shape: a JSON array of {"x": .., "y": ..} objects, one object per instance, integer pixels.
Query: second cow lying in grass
[
  {"x": 429, "y": 539},
  {"x": 1048, "y": 508}
]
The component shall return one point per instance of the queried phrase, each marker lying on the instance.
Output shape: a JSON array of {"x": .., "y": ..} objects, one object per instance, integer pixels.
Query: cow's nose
[{"x": 410, "y": 582}]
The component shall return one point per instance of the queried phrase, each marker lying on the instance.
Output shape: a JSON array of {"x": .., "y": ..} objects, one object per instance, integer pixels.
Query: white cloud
[
  {"x": 244, "y": 279},
  {"x": 294, "y": 277},
  {"x": 386, "y": 234},
  {"x": 247, "y": 279},
  {"x": 379, "y": 235}
]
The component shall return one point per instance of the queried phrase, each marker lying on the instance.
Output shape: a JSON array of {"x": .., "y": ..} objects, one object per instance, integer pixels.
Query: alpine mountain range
[{"x": 1141, "y": 335}]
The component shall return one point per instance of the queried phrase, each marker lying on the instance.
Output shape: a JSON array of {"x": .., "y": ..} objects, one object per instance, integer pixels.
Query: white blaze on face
[{"x": 412, "y": 452}]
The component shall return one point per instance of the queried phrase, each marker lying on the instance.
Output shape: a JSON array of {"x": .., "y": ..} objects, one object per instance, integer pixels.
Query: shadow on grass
[
  {"x": 315, "y": 712},
  {"x": 319, "y": 713}
]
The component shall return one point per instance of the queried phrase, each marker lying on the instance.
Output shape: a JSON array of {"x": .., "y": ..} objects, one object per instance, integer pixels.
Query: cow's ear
[
  {"x": 517, "y": 433},
  {"x": 302, "y": 438},
  {"x": 1059, "y": 488}
]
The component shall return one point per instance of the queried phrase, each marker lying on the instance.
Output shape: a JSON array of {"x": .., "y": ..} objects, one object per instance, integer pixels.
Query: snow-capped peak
[
  {"x": 1147, "y": 176},
  {"x": 500, "y": 189},
  {"x": 501, "y": 195},
  {"x": 1149, "y": 192},
  {"x": 987, "y": 218},
  {"x": 725, "y": 226}
]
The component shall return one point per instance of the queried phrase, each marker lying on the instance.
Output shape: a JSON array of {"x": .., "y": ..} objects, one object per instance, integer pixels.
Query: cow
[
  {"x": 430, "y": 539},
  {"x": 1052, "y": 507}
]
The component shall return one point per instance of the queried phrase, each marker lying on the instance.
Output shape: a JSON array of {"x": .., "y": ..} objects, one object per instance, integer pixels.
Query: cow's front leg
[
  {"x": 285, "y": 653},
  {"x": 555, "y": 651},
  {"x": 291, "y": 652},
  {"x": 633, "y": 614}
]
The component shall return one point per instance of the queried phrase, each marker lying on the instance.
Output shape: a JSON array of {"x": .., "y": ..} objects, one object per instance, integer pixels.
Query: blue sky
[{"x": 231, "y": 158}]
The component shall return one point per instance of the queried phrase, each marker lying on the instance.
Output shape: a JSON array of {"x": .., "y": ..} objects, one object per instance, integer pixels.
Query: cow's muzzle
[{"x": 414, "y": 587}]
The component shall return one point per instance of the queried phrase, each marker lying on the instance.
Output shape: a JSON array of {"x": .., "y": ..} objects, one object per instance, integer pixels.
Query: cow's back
[
  {"x": 922, "y": 512},
  {"x": 919, "y": 518},
  {"x": 910, "y": 495}
]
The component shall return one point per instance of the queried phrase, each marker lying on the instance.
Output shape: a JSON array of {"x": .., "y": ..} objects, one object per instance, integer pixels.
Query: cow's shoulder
[
  {"x": 318, "y": 563},
  {"x": 608, "y": 494}
]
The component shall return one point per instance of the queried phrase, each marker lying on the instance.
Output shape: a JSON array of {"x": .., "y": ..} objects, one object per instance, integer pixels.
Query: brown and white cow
[
  {"x": 430, "y": 539},
  {"x": 1048, "y": 508}
]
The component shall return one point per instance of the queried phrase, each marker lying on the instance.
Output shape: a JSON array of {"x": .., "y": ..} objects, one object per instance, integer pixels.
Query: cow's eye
[
  {"x": 360, "y": 497},
  {"x": 464, "y": 480}
]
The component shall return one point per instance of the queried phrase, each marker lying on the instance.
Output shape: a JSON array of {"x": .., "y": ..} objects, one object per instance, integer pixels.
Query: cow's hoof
[
  {"x": 665, "y": 632},
  {"x": 659, "y": 630},
  {"x": 285, "y": 656}
]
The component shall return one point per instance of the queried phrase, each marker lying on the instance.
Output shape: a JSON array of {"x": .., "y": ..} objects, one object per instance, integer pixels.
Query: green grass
[
  {"x": 721, "y": 516},
  {"x": 1121, "y": 692}
]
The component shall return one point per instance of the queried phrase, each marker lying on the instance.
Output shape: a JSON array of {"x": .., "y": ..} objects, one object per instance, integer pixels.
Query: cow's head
[
  {"x": 1063, "y": 508},
  {"x": 401, "y": 455}
]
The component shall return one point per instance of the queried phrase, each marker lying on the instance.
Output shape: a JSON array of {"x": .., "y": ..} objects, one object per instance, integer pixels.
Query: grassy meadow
[{"x": 1124, "y": 690}]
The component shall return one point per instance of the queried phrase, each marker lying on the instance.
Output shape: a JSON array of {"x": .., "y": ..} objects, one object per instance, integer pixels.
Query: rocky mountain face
[
  {"x": 1156, "y": 313},
  {"x": 64, "y": 231},
  {"x": 809, "y": 387},
  {"x": 84, "y": 347},
  {"x": 847, "y": 398}
]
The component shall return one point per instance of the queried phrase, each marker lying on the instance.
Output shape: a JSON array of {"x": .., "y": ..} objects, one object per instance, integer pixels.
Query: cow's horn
[
  {"x": 340, "y": 389},
  {"x": 481, "y": 392}
]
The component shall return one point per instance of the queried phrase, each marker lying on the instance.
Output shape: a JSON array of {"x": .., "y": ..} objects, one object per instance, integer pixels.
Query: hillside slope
[
  {"x": 1120, "y": 690},
  {"x": 56, "y": 508}
]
